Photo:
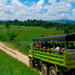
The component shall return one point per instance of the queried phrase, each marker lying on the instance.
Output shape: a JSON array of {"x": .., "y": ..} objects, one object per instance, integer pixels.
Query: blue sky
[{"x": 37, "y": 9}]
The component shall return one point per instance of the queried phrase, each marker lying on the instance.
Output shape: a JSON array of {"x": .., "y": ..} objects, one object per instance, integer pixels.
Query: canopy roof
[{"x": 67, "y": 37}]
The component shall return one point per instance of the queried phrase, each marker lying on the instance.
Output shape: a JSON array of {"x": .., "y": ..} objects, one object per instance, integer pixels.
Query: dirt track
[{"x": 15, "y": 53}]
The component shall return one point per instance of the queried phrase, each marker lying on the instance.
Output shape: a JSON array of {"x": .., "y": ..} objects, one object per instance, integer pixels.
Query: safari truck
[{"x": 54, "y": 55}]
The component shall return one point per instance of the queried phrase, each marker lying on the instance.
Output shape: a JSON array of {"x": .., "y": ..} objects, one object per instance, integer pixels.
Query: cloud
[
  {"x": 60, "y": 7},
  {"x": 71, "y": 1},
  {"x": 56, "y": 10},
  {"x": 3, "y": 2},
  {"x": 73, "y": 12},
  {"x": 39, "y": 10},
  {"x": 52, "y": 1}
]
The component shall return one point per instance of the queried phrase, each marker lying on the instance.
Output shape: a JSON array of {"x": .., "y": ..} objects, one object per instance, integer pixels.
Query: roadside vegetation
[
  {"x": 20, "y": 34},
  {"x": 11, "y": 66},
  {"x": 21, "y": 37}
]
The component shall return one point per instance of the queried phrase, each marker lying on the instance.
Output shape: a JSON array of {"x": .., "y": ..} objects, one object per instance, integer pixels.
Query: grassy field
[
  {"x": 11, "y": 66},
  {"x": 25, "y": 35},
  {"x": 29, "y": 33}
]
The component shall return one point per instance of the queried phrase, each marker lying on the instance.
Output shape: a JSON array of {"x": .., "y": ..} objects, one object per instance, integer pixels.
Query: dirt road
[{"x": 15, "y": 53}]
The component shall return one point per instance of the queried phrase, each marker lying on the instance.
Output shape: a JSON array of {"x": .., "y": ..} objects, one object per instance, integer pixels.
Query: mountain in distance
[
  {"x": 64, "y": 21},
  {"x": 3, "y": 21}
]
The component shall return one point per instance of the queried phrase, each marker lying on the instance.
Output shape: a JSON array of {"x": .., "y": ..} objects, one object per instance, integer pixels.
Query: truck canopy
[{"x": 67, "y": 37}]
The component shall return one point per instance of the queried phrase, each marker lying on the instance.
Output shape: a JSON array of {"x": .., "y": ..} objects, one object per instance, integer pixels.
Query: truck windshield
[{"x": 70, "y": 45}]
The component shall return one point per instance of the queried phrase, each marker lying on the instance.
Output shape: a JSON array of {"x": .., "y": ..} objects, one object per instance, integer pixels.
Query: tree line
[{"x": 68, "y": 28}]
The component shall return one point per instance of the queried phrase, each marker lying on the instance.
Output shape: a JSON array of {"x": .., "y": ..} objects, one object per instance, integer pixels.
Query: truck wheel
[
  {"x": 44, "y": 69},
  {"x": 52, "y": 71},
  {"x": 31, "y": 62}
]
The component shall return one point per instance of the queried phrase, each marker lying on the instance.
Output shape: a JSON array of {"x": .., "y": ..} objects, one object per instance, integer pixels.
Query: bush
[
  {"x": 4, "y": 37},
  {"x": 12, "y": 36}
]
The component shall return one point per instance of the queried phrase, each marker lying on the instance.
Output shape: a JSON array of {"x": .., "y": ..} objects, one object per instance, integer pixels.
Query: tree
[
  {"x": 66, "y": 31},
  {"x": 7, "y": 26}
]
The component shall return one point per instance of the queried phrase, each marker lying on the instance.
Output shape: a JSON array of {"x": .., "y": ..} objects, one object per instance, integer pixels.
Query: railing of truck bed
[
  {"x": 63, "y": 58},
  {"x": 51, "y": 56}
]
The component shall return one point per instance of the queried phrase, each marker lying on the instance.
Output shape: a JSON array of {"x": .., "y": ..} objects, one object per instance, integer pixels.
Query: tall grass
[{"x": 11, "y": 66}]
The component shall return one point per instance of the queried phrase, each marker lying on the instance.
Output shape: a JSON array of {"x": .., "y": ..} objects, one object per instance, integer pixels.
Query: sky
[{"x": 37, "y": 9}]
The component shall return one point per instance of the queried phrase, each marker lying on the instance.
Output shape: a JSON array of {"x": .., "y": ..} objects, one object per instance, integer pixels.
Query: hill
[{"x": 64, "y": 21}]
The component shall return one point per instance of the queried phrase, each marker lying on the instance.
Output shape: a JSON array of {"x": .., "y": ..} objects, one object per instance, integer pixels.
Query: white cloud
[
  {"x": 52, "y": 1},
  {"x": 61, "y": 7},
  {"x": 3, "y": 2},
  {"x": 17, "y": 10},
  {"x": 71, "y": 0},
  {"x": 56, "y": 10},
  {"x": 40, "y": 2},
  {"x": 73, "y": 12}
]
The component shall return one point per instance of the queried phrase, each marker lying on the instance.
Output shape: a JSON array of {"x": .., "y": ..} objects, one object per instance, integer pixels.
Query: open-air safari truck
[{"x": 52, "y": 61}]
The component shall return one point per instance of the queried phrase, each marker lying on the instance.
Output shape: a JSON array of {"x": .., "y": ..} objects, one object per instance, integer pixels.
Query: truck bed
[{"x": 62, "y": 58}]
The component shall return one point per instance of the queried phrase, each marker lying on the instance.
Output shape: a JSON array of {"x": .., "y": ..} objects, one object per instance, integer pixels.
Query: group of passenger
[
  {"x": 46, "y": 45},
  {"x": 58, "y": 46}
]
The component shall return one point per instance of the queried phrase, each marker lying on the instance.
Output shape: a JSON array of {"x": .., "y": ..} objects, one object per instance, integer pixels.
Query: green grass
[
  {"x": 29, "y": 33},
  {"x": 26, "y": 34},
  {"x": 11, "y": 66}
]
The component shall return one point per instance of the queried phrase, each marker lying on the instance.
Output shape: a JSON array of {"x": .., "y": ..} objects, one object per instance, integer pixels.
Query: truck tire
[
  {"x": 44, "y": 69},
  {"x": 52, "y": 71}
]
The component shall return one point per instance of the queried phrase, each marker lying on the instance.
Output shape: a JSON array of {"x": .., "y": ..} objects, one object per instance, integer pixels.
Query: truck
[{"x": 52, "y": 61}]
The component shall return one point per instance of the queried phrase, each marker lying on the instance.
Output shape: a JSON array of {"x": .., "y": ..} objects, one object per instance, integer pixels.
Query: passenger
[
  {"x": 55, "y": 45},
  {"x": 37, "y": 45},
  {"x": 44, "y": 47},
  {"x": 62, "y": 49},
  {"x": 49, "y": 45},
  {"x": 58, "y": 47},
  {"x": 52, "y": 46},
  {"x": 46, "y": 44},
  {"x": 42, "y": 44},
  {"x": 63, "y": 45}
]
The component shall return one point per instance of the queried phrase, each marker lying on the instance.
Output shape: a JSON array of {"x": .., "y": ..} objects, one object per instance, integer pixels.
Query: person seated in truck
[
  {"x": 37, "y": 45},
  {"x": 52, "y": 46},
  {"x": 43, "y": 45},
  {"x": 46, "y": 44},
  {"x": 58, "y": 48},
  {"x": 49, "y": 45},
  {"x": 63, "y": 47}
]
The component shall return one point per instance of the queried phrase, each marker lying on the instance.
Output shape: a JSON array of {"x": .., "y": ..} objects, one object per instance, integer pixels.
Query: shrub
[{"x": 12, "y": 36}]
